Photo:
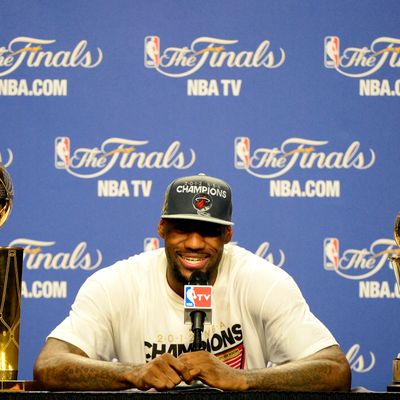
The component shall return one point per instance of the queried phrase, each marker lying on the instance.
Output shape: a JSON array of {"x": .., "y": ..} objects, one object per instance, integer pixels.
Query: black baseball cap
[{"x": 199, "y": 197}]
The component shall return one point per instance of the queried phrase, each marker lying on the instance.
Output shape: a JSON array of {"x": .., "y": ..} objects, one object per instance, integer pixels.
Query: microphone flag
[{"x": 197, "y": 297}]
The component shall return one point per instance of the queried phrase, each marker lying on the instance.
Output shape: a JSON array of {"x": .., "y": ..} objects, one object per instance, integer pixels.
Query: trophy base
[
  {"x": 393, "y": 387},
  {"x": 8, "y": 375},
  {"x": 14, "y": 385}
]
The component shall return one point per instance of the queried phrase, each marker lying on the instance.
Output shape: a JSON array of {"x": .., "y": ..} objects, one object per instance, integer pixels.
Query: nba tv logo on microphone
[{"x": 198, "y": 296}]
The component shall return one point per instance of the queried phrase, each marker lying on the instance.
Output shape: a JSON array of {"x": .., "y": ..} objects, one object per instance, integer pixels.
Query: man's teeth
[{"x": 193, "y": 259}]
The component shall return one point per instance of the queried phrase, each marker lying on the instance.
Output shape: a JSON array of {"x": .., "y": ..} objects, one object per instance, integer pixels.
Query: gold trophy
[
  {"x": 11, "y": 260},
  {"x": 395, "y": 262}
]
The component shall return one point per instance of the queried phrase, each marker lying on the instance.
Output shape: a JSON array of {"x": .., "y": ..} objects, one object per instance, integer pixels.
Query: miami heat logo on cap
[{"x": 202, "y": 202}]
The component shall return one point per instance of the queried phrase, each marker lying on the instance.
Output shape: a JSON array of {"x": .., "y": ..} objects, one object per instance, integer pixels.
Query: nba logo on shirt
[
  {"x": 331, "y": 52},
  {"x": 242, "y": 152},
  {"x": 197, "y": 296},
  {"x": 331, "y": 254},
  {"x": 151, "y": 243},
  {"x": 62, "y": 152},
  {"x": 151, "y": 51}
]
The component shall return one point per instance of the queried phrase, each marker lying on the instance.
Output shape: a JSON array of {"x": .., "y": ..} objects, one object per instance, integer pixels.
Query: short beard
[{"x": 178, "y": 275}]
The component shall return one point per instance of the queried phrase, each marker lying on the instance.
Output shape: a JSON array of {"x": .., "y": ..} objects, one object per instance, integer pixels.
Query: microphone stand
[{"x": 198, "y": 318}]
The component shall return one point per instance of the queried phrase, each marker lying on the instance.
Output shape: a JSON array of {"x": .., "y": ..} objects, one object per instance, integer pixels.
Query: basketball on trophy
[{"x": 6, "y": 194}]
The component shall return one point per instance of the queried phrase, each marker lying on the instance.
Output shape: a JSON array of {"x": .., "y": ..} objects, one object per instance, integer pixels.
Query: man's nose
[{"x": 194, "y": 240}]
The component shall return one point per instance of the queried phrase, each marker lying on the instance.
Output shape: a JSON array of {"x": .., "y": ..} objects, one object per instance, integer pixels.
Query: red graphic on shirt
[{"x": 234, "y": 357}]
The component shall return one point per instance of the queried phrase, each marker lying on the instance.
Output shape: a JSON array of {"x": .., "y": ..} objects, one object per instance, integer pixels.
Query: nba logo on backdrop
[
  {"x": 242, "y": 152},
  {"x": 331, "y": 52},
  {"x": 151, "y": 51},
  {"x": 62, "y": 152},
  {"x": 331, "y": 254},
  {"x": 151, "y": 243}
]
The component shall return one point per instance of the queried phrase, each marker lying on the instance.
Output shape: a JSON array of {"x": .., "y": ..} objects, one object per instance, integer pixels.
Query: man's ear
[
  {"x": 228, "y": 234},
  {"x": 161, "y": 229}
]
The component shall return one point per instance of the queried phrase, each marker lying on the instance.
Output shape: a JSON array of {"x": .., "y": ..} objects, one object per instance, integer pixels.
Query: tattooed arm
[
  {"x": 326, "y": 370},
  {"x": 63, "y": 366}
]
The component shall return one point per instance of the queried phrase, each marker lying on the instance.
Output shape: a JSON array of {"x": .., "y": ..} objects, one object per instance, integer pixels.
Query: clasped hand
[{"x": 166, "y": 372}]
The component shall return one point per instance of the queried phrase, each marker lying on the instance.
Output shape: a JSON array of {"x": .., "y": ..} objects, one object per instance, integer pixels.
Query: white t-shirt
[{"x": 128, "y": 312}]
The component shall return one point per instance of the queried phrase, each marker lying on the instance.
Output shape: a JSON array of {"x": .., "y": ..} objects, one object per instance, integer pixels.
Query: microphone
[{"x": 198, "y": 305}]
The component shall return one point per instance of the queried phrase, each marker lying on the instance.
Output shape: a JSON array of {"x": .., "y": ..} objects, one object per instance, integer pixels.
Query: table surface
[
  {"x": 200, "y": 394},
  {"x": 28, "y": 389}
]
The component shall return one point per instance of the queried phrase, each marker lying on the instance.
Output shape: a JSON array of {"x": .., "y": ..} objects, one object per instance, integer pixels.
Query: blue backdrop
[{"x": 295, "y": 104}]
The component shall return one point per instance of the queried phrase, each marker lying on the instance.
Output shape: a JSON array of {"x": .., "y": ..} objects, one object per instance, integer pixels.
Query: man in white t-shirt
[{"x": 126, "y": 327}]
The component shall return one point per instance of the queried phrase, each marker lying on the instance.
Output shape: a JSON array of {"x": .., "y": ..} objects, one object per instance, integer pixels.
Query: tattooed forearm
[
  {"x": 71, "y": 372},
  {"x": 326, "y": 370}
]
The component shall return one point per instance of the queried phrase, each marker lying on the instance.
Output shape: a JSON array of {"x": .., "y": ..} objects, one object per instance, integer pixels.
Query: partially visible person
[{"x": 126, "y": 327}]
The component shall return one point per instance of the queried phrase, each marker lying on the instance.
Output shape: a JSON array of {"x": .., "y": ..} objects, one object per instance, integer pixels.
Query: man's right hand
[{"x": 63, "y": 366}]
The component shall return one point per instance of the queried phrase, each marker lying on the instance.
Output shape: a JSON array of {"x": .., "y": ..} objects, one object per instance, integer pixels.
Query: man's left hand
[{"x": 213, "y": 371}]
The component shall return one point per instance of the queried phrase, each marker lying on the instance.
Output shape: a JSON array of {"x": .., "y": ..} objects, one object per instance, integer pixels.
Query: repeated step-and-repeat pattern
[{"x": 294, "y": 103}]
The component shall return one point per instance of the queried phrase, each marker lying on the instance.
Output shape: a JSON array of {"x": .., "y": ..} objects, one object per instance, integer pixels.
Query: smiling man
[{"x": 126, "y": 327}]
